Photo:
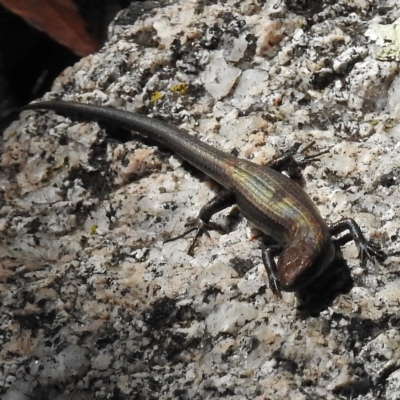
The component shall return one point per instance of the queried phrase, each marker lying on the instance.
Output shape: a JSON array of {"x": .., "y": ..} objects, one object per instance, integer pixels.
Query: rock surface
[{"x": 95, "y": 306}]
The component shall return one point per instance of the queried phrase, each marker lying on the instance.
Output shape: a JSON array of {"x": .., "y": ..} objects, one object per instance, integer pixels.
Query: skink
[{"x": 274, "y": 203}]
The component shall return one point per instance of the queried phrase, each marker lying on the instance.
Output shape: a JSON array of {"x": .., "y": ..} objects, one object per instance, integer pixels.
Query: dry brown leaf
[{"x": 60, "y": 19}]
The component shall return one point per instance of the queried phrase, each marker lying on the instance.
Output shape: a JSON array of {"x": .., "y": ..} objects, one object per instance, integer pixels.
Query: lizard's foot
[{"x": 200, "y": 227}]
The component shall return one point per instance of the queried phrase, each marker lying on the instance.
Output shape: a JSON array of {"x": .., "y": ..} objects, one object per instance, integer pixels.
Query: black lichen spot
[
  {"x": 390, "y": 179},
  {"x": 323, "y": 78},
  {"x": 251, "y": 40},
  {"x": 92, "y": 181},
  {"x": 35, "y": 321},
  {"x": 136, "y": 10},
  {"x": 186, "y": 314},
  {"x": 175, "y": 345},
  {"x": 306, "y": 100},
  {"x": 162, "y": 318},
  {"x": 201, "y": 4},
  {"x": 134, "y": 356},
  {"x": 50, "y": 159},
  {"x": 181, "y": 394},
  {"x": 146, "y": 38},
  {"x": 82, "y": 212},
  {"x": 108, "y": 337},
  {"x": 354, "y": 388},
  {"x": 306, "y": 8},
  {"x": 210, "y": 293},
  {"x": 171, "y": 205},
  {"x": 99, "y": 180},
  {"x": 33, "y": 226},
  {"x": 165, "y": 313},
  {"x": 98, "y": 154},
  {"x": 285, "y": 363},
  {"x": 25, "y": 297},
  {"x": 250, "y": 343},
  {"x": 235, "y": 152},
  {"x": 63, "y": 140},
  {"x": 161, "y": 314},
  {"x": 212, "y": 37},
  {"x": 241, "y": 266},
  {"x": 232, "y": 24},
  {"x": 361, "y": 330}
]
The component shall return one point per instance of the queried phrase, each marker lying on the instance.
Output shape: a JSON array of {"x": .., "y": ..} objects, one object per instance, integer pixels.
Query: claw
[
  {"x": 302, "y": 159},
  {"x": 371, "y": 251},
  {"x": 293, "y": 160},
  {"x": 366, "y": 248},
  {"x": 200, "y": 227}
]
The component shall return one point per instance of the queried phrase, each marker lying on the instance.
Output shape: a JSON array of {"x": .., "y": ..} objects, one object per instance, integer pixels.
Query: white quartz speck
[
  {"x": 229, "y": 317},
  {"x": 219, "y": 77},
  {"x": 249, "y": 87},
  {"x": 235, "y": 48}
]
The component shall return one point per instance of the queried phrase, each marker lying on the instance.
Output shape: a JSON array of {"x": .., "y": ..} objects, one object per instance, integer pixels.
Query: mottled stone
[{"x": 95, "y": 305}]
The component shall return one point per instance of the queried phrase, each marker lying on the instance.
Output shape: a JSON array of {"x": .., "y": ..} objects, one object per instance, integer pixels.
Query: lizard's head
[{"x": 301, "y": 262}]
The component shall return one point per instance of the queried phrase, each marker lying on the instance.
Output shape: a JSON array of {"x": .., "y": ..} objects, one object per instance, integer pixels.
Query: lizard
[{"x": 274, "y": 203}]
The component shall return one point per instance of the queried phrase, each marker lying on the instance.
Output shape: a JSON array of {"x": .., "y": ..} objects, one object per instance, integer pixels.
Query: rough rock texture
[{"x": 95, "y": 306}]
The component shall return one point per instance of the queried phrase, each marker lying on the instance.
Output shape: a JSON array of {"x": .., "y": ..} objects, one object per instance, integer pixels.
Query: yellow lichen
[
  {"x": 182, "y": 88},
  {"x": 156, "y": 96}
]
